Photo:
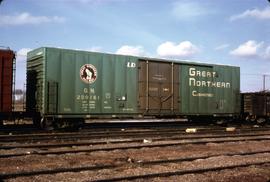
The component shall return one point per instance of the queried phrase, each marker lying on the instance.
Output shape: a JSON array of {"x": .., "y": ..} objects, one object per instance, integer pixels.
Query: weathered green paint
[
  {"x": 35, "y": 81},
  {"x": 113, "y": 91},
  {"x": 209, "y": 89},
  {"x": 60, "y": 91}
]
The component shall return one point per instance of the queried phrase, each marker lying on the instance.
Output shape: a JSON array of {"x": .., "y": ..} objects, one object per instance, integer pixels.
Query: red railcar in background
[{"x": 7, "y": 61}]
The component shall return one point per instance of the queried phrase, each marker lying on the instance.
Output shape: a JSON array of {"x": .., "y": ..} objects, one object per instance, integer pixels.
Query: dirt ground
[{"x": 129, "y": 163}]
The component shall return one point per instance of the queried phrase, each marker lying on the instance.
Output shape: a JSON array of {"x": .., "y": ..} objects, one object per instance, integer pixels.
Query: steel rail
[
  {"x": 141, "y": 163},
  {"x": 181, "y": 172},
  {"x": 127, "y": 130},
  {"x": 117, "y": 141},
  {"x": 59, "y": 152},
  {"x": 33, "y": 138}
]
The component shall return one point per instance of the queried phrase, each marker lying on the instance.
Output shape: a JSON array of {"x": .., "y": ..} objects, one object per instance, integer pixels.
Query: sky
[{"x": 231, "y": 32}]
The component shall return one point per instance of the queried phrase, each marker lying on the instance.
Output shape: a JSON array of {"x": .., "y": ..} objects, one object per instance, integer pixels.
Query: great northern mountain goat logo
[{"x": 88, "y": 73}]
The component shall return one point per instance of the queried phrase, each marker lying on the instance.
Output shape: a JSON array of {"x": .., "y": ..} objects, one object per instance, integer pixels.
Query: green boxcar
[{"x": 65, "y": 83}]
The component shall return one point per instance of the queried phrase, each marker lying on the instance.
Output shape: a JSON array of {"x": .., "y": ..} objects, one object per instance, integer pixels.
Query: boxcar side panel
[
  {"x": 228, "y": 97},
  {"x": 209, "y": 89},
  {"x": 86, "y": 83}
]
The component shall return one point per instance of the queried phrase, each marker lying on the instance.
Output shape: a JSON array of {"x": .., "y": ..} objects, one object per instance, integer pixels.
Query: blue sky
[{"x": 234, "y": 32}]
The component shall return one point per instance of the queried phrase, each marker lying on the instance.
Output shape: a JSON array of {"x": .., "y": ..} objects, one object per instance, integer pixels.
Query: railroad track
[
  {"x": 120, "y": 142},
  {"x": 147, "y": 163},
  {"x": 117, "y": 141},
  {"x": 30, "y": 128},
  {"x": 181, "y": 172},
  {"x": 133, "y": 144},
  {"x": 69, "y": 136}
]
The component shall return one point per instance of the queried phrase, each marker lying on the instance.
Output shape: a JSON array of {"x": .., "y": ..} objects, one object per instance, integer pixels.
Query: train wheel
[
  {"x": 261, "y": 120},
  {"x": 69, "y": 124},
  {"x": 46, "y": 123},
  {"x": 222, "y": 122},
  {"x": 61, "y": 123},
  {"x": 253, "y": 118}
]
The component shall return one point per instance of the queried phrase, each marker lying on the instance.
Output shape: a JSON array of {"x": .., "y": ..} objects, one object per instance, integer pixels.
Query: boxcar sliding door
[{"x": 158, "y": 87}]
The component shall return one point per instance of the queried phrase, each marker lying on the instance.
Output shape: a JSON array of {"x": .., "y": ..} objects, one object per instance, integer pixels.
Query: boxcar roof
[{"x": 187, "y": 62}]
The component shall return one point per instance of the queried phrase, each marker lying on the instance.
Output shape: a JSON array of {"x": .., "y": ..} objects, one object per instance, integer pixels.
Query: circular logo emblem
[{"x": 88, "y": 73}]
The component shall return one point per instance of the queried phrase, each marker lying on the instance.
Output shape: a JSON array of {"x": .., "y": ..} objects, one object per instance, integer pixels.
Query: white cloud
[
  {"x": 222, "y": 47},
  {"x": 186, "y": 10},
  {"x": 27, "y": 18},
  {"x": 184, "y": 49},
  {"x": 22, "y": 53},
  {"x": 248, "y": 49},
  {"x": 255, "y": 13},
  {"x": 267, "y": 53},
  {"x": 131, "y": 50},
  {"x": 95, "y": 49}
]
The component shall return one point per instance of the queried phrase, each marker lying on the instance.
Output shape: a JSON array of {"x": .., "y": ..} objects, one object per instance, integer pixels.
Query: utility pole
[{"x": 264, "y": 76}]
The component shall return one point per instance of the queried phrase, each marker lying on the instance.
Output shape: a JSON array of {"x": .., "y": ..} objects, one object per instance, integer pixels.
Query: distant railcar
[
  {"x": 7, "y": 61},
  {"x": 256, "y": 106},
  {"x": 65, "y": 84}
]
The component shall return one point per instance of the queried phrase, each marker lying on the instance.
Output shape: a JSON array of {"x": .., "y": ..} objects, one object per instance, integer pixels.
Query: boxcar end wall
[{"x": 7, "y": 61}]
